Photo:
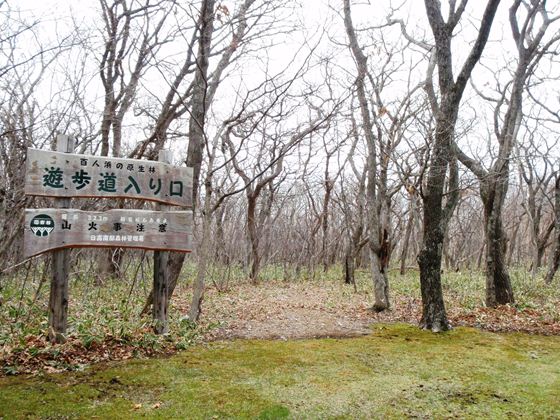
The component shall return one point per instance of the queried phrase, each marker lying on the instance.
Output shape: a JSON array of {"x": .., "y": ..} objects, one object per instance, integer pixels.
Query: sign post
[
  {"x": 161, "y": 274},
  {"x": 63, "y": 174},
  {"x": 58, "y": 299}
]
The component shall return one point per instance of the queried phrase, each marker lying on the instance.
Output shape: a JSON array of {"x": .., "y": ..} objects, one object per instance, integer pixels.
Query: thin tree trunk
[
  {"x": 555, "y": 257},
  {"x": 202, "y": 266},
  {"x": 197, "y": 141},
  {"x": 253, "y": 238},
  {"x": 221, "y": 254},
  {"x": 512, "y": 243},
  {"x": 407, "y": 234},
  {"x": 349, "y": 267},
  {"x": 374, "y": 198},
  {"x": 110, "y": 263},
  {"x": 325, "y": 219},
  {"x": 480, "y": 255}
]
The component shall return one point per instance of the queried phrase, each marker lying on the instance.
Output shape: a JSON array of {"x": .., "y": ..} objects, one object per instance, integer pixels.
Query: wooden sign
[
  {"x": 55, "y": 174},
  {"x": 51, "y": 229}
]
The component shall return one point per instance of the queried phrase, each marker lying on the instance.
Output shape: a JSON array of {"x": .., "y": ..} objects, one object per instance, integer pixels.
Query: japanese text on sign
[
  {"x": 70, "y": 175},
  {"x": 48, "y": 229}
]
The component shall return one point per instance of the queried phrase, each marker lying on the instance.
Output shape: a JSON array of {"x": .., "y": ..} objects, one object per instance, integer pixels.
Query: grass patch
[{"x": 395, "y": 372}]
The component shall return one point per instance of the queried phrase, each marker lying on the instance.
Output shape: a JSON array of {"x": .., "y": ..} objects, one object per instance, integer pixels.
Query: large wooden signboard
[
  {"x": 55, "y": 174},
  {"x": 51, "y": 229},
  {"x": 63, "y": 175}
]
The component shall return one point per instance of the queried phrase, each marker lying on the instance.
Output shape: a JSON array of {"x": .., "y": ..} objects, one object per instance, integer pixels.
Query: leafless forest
[{"x": 394, "y": 137}]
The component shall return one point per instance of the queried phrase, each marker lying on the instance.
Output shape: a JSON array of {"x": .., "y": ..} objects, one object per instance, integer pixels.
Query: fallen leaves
[{"x": 507, "y": 318}]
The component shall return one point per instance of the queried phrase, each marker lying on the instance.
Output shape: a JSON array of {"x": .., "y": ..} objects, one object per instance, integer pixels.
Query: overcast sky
[{"x": 316, "y": 16}]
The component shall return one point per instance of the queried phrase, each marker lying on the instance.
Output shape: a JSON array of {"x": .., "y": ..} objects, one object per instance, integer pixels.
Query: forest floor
[
  {"x": 305, "y": 348},
  {"x": 105, "y": 322},
  {"x": 396, "y": 371},
  {"x": 313, "y": 310}
]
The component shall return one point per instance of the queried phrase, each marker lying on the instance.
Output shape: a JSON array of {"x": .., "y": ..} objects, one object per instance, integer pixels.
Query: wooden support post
[
  {"x": 161, "y": 273},
  {"x": 58, "y": 300}
]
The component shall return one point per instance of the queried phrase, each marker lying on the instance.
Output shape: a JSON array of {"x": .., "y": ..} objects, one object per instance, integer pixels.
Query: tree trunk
[
  {"x": 196, "y": 136},
  {"x": 329, "y": 184},
  {"x": 434, "y": 316},
  {"x": 352, "y": 250},
  {"x": 204, "y": 255},
  {"x": 480, "y": 255},
  {"x": 197, "y": 140},
  {"x": 436, "y": 218},
  {"x": 407, "y": 234},
  {"x": 377, "y": 215},
  {"x": 498, "y": 284},
  {"x": 110, "y": 264},
  {"x": 447, "y": 258},
  {"x": 539, "y": 253},
  {"x": 253, "y": 237},
  {"x": 555, "y": 257},
  {"x": 554, "y": 261},
  {"x": 380, "y": 283},
  {"x": 512, "y": 243},
  {"x": 221, "y": 254},
  {"x": 349, "y": 268}
]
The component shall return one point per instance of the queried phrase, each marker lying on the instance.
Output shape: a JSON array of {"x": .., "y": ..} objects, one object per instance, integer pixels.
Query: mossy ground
[{"x": 397, "y": 371}]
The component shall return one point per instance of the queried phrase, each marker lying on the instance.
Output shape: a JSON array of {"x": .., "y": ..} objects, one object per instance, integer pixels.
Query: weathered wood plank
[
  {"x": 50, "y": 229},
  {"x": 55, "y": 174}
]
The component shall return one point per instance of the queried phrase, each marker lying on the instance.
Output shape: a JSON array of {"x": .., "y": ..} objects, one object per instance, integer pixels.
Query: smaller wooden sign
[
  {"x": 51, "y": 229},
  {"x": 55, "y": 174}
]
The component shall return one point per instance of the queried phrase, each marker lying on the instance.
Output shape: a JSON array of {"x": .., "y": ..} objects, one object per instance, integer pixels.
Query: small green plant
[{"x": 10, "y": 370}]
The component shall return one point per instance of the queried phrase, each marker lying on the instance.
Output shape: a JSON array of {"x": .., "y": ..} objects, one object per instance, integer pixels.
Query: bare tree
[
  {"x": 537, "y": 185},
  {"x": 555, "y": 257},
  {"x": 377, "y": 210},
  {"x": 384, "y": 122},
  {"x": 352, "y": 202},
  {"x": 195, "y": 97},
  {"x": 23, "y": 122},
  {"x": 124, "y": 42},
  {"x": 494, "y": 182},
  {"x": 445, "y": 110}
]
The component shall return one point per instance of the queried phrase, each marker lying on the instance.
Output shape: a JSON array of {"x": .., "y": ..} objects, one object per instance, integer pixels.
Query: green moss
[{"x": 396, "y": 371}]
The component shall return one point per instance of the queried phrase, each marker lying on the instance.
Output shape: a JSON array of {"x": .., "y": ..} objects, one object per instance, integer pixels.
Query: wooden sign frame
[{"x": 63, "y": 175}]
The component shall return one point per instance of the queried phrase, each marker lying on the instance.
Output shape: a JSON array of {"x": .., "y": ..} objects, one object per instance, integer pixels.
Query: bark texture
[{"x": 494, "y": 182}]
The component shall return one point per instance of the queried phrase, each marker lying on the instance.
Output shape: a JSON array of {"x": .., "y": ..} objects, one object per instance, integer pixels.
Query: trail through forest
[{"x": 309, "y": 310}]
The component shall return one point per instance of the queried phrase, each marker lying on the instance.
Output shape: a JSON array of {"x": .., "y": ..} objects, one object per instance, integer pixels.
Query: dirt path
[
  {"x": 311, "y": 310},
  {"x": 294, "y": 311}
]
